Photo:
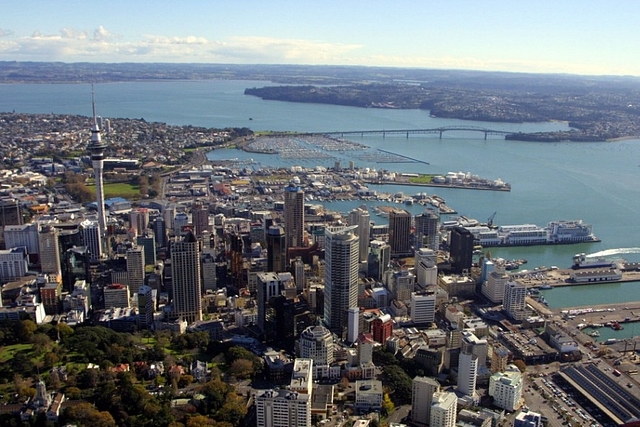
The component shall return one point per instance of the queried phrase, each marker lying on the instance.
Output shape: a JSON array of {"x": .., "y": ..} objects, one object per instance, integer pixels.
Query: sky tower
[{"x": 96, "y": 148}]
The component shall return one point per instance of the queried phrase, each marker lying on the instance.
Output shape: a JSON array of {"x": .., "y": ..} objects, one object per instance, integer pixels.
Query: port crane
[{"x": 490, "y": 219}]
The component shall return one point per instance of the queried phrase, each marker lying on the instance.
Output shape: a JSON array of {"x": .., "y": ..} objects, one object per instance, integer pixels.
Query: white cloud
[{"x": 5, "y": 33}]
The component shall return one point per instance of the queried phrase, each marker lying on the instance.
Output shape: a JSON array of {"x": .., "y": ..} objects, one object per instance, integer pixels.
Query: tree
[
  {"x": 521, "y": 365},
  {"x": 387, "y": 404},
  {"x": 399, "y": 384},
  {"x": 241, "y": 368},
  {"x": 85, "y": 414}
]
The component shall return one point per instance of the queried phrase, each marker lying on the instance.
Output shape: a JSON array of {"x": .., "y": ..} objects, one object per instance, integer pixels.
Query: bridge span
[{"x": 407, "y": 132}]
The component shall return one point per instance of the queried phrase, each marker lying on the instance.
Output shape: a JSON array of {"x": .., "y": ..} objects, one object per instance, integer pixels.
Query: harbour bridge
[{"x": 406, "y": 132}]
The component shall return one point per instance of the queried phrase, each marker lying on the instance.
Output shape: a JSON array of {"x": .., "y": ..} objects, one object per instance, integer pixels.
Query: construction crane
[{"x": 490, "y": 220}]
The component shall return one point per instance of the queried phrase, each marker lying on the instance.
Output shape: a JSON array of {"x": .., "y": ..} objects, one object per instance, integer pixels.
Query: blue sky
[{"x": 561, "y": 36}]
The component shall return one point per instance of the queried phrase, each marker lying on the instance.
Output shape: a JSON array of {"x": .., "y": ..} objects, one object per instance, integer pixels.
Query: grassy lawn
[
  {"x": 422, "y": 179},
  {"x": 119, "y": 189},
  {"x": 7, "y": 352}
]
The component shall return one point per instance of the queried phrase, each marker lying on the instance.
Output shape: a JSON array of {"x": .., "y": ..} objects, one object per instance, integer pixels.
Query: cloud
[{"x": 5, "y": 33}]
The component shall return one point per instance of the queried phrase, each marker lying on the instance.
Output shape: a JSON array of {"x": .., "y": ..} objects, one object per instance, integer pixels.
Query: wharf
[{"x": 560, "y": 277}]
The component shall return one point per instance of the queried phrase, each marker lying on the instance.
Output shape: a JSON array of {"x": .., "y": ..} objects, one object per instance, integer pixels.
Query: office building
[
  {"x": 467, "y": 374},
  {"x": 423, "y": 308},
  {"x": 514, "y": 303},
  {"x": 13, "y": 263},
  {"x": 75, "y": 265},
  {"x": 461, "y": 250},
  {"x": 200, "y": 218},
  {"x": 276, "y": 249},
  {"x": 382, "y": 328},
  {"x": 316, "y": 343},
  {"x": 49, "y": 250},
  {"x": 493, "y": 288},
  {"x": 135, "y": 268},
  {"x": 470, "y": 343},
  {"x": 506, "y": 390},
  {"x": 269, "y": 285},
  {"x": 400, "y": 232},
  {"x": 427, "y": 230},
  {"x": 423, "y": 389},
  {"x": 294, "y": 216},
  {"x": 283, "y": 408},
  {"x": 116, "y": 296},
  {"x": 528, "y": 419},
  {"x": 186, "y": 278},
  {"x": 160, "y": 231},
  {"x": 22, "y": 235},
  {"x": 209, "y": 274},
  {"x": 353, "y": 324},
  {"x": 138, "y": 220},
  {"x": 402, "y": 285},
  {"x": 444, "y": 408},
  {"x": 360, "y": 217},
  {"x": 341, "y": 276},
  {"x": 378, "y": 259},
  {"x": 92, "y": 238},
  {"x": 10, "y": 213},
  {"x": 147, "y": 241},
  {"x": 369, "y": 395},
  {"x": 146, "y": 306}
]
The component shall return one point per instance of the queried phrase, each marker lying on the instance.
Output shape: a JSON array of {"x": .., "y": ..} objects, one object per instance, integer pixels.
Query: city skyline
[{"x": 571, "y": 37}]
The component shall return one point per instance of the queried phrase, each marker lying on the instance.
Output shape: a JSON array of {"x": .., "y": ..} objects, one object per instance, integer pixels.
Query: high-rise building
[
  {"x": 10, "y": 212},
  {"x": 146, "y": 306},
  {"x": 402, "y": 285},
  {"x": 147, "y": 241},
  {"x": 139, "y": 220},
  {"x": 353, "y": 323},
  {"x": 92, "y": 238},
  {"x": 427, "y": 230},
  {"x": 514, "y": 300},
  {"x": 13, "y": 263},
  {"x": 423, "y": 389},
  {"x": 294, "y": 216},
  {"x": 470, "y": 343},
  {"x": 506, "y": 390},
  {"x": 378, "y": 259},
  {"x": 97, "y": 148},
  {"x": 444, "y": 408},
  {"x": 426, "y": 265},
  {"x": 22, "y": 235},
  {"x": 499, "y": 358},
  {"x": 360, "y": 217},
  {"x": 493, "y": 288},
  {"x": 269, "y": 285},
  {"x": 461, "y": 249},
  {"x": 423, "y": 307},
  {"x": 382, "y": 328},
  {"x": 49, "y": 250},
  {"x": 276, "y": 249},
  {"x": 209, "y": 276},
  {"x": 186, "y": 277},
  {"x": 341, "y": 276},
  {"x": 316, "y": 342},
  {"x": 200, "y": 218},
  {"x": 160, "y": 231},
  {"x": 135, "y": 268},
  {"x": 116, "y": 296},
  {"x": 400, "y": 232},
  {"x": 467, "y": 374},
  {"x": 283, "y": 408}
]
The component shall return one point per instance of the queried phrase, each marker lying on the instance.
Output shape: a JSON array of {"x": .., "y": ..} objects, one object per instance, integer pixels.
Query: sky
[{"x": 561, "y": 36}]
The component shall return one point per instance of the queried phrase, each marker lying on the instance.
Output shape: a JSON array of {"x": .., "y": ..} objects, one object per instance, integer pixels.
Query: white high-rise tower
[{"x": 97, "y": 148}]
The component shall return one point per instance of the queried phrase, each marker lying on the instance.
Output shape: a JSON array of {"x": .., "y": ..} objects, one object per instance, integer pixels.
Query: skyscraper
[
  {"x": 341, "y": 276},
  {"x": 461, "y": 249},
  {"x": 443, "y": 410},
  {"x": 399, "y": 232},
  {"x": 378, "y": 259},
  {"x": 514, "y": 302},
  {"x": 276, "y": 249},
  {"x": 135, "y": 268},
  {"x": 185, "y": 271},
  {"x": 360, "y": 217},
  {"x": 92, "y": 238},
  {"x": 294, "y": 216},
  {"x": 427, "y": 226},
  {"x": 49, "y": 250},
  {"x": 494, "y": 287},
  {"x": 421, "y": 399},
  {"x": 97, "y": 148},
  {"x": 467, "y": 374},
  {"x": 200, "y": 218}
]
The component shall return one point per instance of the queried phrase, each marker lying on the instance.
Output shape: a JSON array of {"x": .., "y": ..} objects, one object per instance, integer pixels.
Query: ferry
[
  {"x": 546, "y": 286},
  {"x": 582, "y": 261},
  {"x": 555, "y": 233}
]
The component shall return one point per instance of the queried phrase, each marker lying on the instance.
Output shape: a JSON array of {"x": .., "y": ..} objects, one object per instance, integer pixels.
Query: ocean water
[{"x": 596, "y": 182}]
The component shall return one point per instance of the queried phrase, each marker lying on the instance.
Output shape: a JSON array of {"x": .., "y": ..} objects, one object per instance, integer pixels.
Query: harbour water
[{"x": 595, "y": 182}]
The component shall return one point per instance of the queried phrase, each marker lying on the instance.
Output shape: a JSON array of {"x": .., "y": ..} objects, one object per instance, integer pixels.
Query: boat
[
  {"x": 582, "y": 261},
  {"x": 616, "y": 326},
  {"x": 594, "y": 334},
  {"x": 546, "y": 286},
  {"x": 555, "y": 233}
]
